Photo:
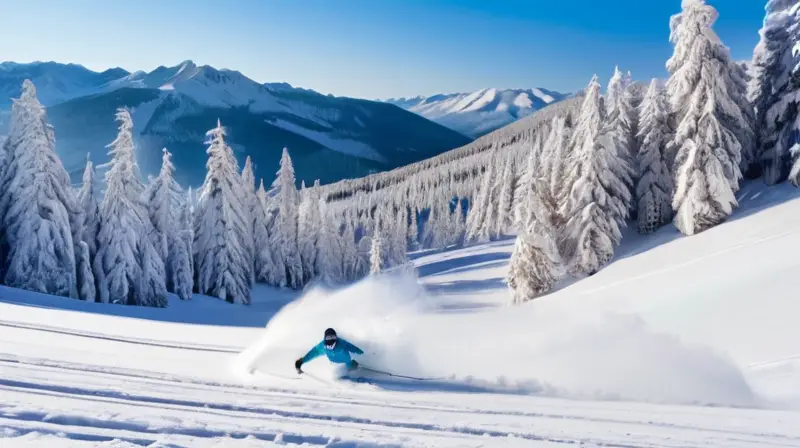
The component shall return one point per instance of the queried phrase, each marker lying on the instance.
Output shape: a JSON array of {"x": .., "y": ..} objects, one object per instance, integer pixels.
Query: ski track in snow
[
  {"x": 81, "y": 427},
  {"x": 152, "y": 343},
  {"x": 74, "y": 376}
]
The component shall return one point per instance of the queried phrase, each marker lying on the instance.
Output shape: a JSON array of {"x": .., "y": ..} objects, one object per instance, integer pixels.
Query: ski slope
[{"x": 681, "y": 342}]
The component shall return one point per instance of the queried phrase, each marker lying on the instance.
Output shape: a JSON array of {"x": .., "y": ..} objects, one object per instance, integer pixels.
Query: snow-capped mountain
[
  {"x": 329, "y": 138},
  {"x": 54, "y": 82},
  {"x": 480, "y": 112}
]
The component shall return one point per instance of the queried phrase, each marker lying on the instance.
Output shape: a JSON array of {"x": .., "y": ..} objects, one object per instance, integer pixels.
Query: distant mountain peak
[{"x": 482, "y": 111}]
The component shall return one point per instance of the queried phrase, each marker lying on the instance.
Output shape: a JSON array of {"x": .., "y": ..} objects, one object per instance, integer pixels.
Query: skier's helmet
[{"x": 330, "y": 338}]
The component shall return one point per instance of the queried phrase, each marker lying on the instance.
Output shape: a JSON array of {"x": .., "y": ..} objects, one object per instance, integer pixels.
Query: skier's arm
[
  {"x": 353, "y": 349},
  {"x": 313, "y": 353}
]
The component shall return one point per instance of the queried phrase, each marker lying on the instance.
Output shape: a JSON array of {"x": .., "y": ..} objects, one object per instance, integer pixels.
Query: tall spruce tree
[
  {"x": 654, "y": 187},
  {"x": 284, "y": 235},
  {"x": 535, "y": 264},
  {"x": 309, "y": 229},
  {"x": 505, "y": 210},
  {"x": 483, "y": 210},
  {"x": 376, "y": 254},
  {"x": 251, "y": 204},
  {"x": 90, "y": 209},
  {"x": 266, "y": 270},
  {"x": 703, "y": 96},
  {"x": 163, "y": 198},
  {"x": 598, "y": 201},
  {"x": 125, "y": 230},
  {"x": 620, "y": 124},
  {"x": 222, "y": 226},
  {"x": 37, "y": 206}
]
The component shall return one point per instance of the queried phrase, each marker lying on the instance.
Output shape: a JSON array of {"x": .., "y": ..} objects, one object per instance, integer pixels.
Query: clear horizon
[{"x": 390, "y": 50}]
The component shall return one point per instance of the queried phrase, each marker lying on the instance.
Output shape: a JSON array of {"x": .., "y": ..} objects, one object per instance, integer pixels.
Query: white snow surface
[
  {"x": 680, "y": 342},
  {"x": 477, "y": 113}
]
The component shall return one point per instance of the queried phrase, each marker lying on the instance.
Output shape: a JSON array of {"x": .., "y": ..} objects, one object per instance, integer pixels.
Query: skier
[{"x": 335, "y": 348}]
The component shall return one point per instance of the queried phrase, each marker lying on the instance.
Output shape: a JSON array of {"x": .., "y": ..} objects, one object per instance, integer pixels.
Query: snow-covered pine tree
[
  {"x": 85, "y": 225},
  {"x": 619, "y": 125},
  {"x": 308, "y": 231},
  {"x": 437, "y": 229},
  {"x": 37, "y": 205},
  {"x": 330, "y": 251},
  {"x": 350, "y": 256},
  {"x": 222, "y": 226},
  {"x": 482, "y": 212},
  {"x": 412, "y": 233},
  {"x": 179, "y": 264},
  {"x": 654, "y": 187},
  {"x": 701, "y": 92},
  {"x": 554, "y": 168},
  {"x": 773, "y": 90},
  {"x": 152, "y": 287},
  {"x": 125, "y": 229},
  {"x": 284, "y": 235},
  {"x": 397, "y": 238},
  {"x": 505, "y": 211},
  {"x": 376, "y": 254},
  {"x": 458, "y": 224},
  {"x": 187, "y": 229},
  {"x": 743, "y": 128},
  {"x": 87, "y": 289},
  {"x": 634, "y": 95},
  {"x": 181, "y": 259},
  {"x": 363, "y": 264},
  {"x": 164, "y": 198},
  {"x": 251, "y": 204},
  {"x": 90, "y": 210},
  {"x": 597, "y": 204},
  {"x": 536, "y": 158},
  {"x": 535, "y": 264},
  {"x": 182, "y": 280},
  {"x": 266, "y": 270},
  {"x": 619, "y": 112}
]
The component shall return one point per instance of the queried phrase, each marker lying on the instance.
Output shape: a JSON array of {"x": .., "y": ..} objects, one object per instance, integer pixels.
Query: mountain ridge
[{"x": 332, "y": 137}]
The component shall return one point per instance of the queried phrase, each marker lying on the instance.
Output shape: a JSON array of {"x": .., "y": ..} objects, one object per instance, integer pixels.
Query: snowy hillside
[
  {"x": 480, "y": 112},
  {"x": 681, "y": 342},
  {"x": 331, "y": 138}
]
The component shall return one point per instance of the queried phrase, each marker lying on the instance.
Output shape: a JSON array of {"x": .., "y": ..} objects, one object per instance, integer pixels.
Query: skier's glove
[
  {"x": 353, "y": 364},
  {"x": 297, "y": 365}
]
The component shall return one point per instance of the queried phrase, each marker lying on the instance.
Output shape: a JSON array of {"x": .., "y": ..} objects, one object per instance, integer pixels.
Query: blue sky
[{"x": 370, "y": 49}]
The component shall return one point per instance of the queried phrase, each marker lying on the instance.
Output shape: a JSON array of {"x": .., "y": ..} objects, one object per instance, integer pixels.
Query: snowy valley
[{"x": 614, "y": 269}]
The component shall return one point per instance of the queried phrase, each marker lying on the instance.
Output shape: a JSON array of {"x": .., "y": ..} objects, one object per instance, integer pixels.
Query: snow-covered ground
[{"x": 681, "y": 342}]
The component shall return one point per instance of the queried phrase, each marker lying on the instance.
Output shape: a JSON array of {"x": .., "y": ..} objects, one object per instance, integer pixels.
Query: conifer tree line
[
  {"x": 127, "y": 240},
  {"x": 564, "y": 182},
  {"x": 641, "y": 154}
]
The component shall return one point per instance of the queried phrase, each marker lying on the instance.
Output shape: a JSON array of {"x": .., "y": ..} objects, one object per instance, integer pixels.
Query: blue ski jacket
[{"x": 339, "y": 354}]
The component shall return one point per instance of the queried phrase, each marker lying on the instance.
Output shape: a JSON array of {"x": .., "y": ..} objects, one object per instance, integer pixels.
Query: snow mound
[
  {"x": 608, "y": 357},
  {"x": 529, "y": 349}
]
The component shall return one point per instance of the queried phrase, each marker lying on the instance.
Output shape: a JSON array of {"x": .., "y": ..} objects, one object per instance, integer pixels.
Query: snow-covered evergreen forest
[{"x": 564, "y": 182}]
